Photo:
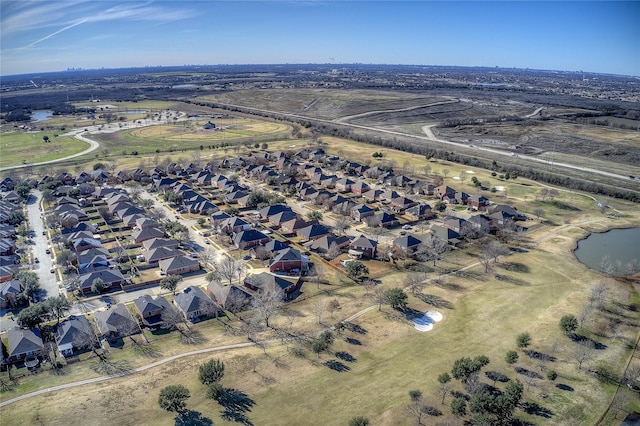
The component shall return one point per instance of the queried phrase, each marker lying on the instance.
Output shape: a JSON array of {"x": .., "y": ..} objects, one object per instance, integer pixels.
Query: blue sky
[{"x": 42, "y": 35}]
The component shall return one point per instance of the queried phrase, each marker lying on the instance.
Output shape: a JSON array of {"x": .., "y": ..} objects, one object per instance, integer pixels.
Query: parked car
[
  {"x": 47, "y": 251},
  {"x": 406, "y": 227},
  {"x": 52, "y": 270},
  {"x": 36, "y": 260},
  {"x": 44, "y": 232}
]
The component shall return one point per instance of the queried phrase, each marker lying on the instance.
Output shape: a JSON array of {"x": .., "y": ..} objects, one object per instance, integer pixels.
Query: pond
[
  {"x": 41, "y": 115},
  {"x": 132, "y": 111},
  {"x": 615, "y": 252},
  {"x": 182, "y": 86}
]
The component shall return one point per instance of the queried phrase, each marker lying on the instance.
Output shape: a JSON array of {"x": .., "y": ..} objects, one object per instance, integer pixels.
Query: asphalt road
[{"x": 47, "y": 279}]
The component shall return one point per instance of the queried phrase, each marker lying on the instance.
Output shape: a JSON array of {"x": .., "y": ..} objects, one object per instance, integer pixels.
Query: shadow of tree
[
  {"x": 539, "y": 355},
  {"x": 584, "y": 340},
  {"x": 107, "y": 367},
  {"x": 355, "y": 328},
  {"x": 511, "y": 280},
  {"x": 495, "y": 376},
  {"x": 353, "y": 341},
  {"x": 435, "y": 301},
  {"x": 337, "y": 366},
  {"x": 192, "y": 337},
  {"x": 528, "y": 373},
  {"x": 345, "y": 356},
  {"x": 192, "y": 418},
  {"x": 564, "y": 387},
  {"x": 147, "y": 351},
  {"x": 537, "y": 410},
  {"x": 515, "y": 267},
  {"x": 236, "y": 404}
]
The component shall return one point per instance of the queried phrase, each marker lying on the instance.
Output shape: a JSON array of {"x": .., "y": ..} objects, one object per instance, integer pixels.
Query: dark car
[{"x": 36, "y": 260}]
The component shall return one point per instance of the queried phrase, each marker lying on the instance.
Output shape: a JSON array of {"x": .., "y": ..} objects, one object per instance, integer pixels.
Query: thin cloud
[{"x": 45, "y": 16}]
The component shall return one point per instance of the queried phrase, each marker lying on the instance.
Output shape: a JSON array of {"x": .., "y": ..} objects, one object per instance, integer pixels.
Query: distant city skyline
[{"x": 52, "y": 35}]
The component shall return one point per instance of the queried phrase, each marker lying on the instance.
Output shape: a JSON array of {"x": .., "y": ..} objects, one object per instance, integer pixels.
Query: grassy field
[
  {"x": 483, "y": 313},
  {"x": 485, "y": 316},
  {"x": 18, "y": 147}
]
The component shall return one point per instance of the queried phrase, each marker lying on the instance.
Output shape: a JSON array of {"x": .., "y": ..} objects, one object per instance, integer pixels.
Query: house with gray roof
[
  {"x": 116, "y": 322},
  {"x": 230, "y": 297},
  {"x": 23, "y": 344},
  {"x": 150, "y": 309},
  {"x": 73, "y": 334},
  {"x": 194, "y": 303}
]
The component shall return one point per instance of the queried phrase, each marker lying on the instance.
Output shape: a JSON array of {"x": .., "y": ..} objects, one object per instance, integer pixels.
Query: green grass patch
[{"x": 20, "y": 148}]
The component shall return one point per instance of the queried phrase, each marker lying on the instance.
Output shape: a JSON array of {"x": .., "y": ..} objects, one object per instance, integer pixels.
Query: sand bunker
[
  {"x": 499, "y": 188},
  {"x": 425, "y": 322}
]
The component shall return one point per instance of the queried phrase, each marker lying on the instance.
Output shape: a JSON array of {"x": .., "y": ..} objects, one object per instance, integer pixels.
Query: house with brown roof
[
  {"x": 419, "y": 212},
  {"x": 249, "y": 238},
  {"x": 312, "y": 232},
  {"x": 194, "y": 303},
  {"x": 265, "y": 281},
  {"x": 360, "y": 187}
]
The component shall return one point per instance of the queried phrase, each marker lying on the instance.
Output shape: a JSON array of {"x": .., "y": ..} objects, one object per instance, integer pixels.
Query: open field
[
  {"x": 485, "y": 317},
  {"x": 189, "y": 136},
  {"x": 20, "y": 147},
  {"x": 483, "y": 313}
]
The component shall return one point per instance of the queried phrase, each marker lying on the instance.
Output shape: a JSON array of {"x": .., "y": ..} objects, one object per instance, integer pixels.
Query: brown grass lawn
[{"x": 393, "y": 358}]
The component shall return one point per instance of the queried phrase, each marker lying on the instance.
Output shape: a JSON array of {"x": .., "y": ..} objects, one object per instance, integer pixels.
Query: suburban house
[
  {"x": 359, "y": 187},
  {"x": 230, "y": 297},
  {"x": 361, "y": 211},
  {"x": 322, "y": 245},
  {"x": 312, "y": 232},
  {"x": 407, "y": 244},
  {"x": 249, "y": 238},
  {"x": 444, "y": 192},
  {"x": 155, "y": 255},
  {"x": 9, "y": 291},
  {"x": 400, "y": 204},
  {"x": 447, "y": 234},
  {"x": 140, "y": 235},
  {"x": 268, "y": 211},
  {"x": 178, "y": 265},
  {"x": 150, "y": 309},
  {"x": 82, "y": 244},
  {"x": 265, "y": 281},
  {"x": 269, "y": 249},
  {"x": 288, "y": 260},
  {"x": 115, "y": 322},
  {"x": 111, "y": 277},
  {"x": 284, "y": 216},
  {"x": 344, "y": 185},
  {"x": 419, "y": 212},
  {"x": 233, "y": 225},
  {"x": 478, "y": 201},
  {"x": 383, "y": 220},
  {"x": 74, "y": 333},
  {"x": 363, "y": 247},
  {"x": 194, "y": 303},
  {"x": 24, "y": 344},
  {"x": 155, "y": 243},
  {"x": 294, "y": 225}
]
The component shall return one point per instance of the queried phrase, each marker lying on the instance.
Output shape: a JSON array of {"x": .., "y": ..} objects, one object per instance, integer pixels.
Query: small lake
[
  {"x": 132, "y": 111},
  {"x": 41, "y": 115},
  {"x": 182, "y": 86},
  {"x": 615, "y": 252}
]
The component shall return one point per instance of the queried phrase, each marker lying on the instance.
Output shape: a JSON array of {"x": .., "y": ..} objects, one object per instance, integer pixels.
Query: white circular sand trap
[
  {"x": 456, "y": 178},
  {"x": 425, "y": 322},
  {"x": 471, "y": 172},
  {"x": 499, "y": 188}
]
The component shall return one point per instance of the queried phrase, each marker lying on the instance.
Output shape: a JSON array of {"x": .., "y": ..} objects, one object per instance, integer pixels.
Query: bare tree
[
  {"x": 490, "y": 250},
  {"x": 539, "y": 212},
  {"x": 378, "y": 297},
  {"x": 583, "y": 351},
  {"x": 433, "y": 248},
  {"x": 342, "y": 224},
  {"x": 230, "y": 269},
  {"x": 598, "y": 295},
  {"x": 415, "y": 282},
  {"x": 333, "y": 306},
  {"x": 368, "y": 285},
  {"x": 267, "y": 303},
  {"x": 318, "y": 310}
]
